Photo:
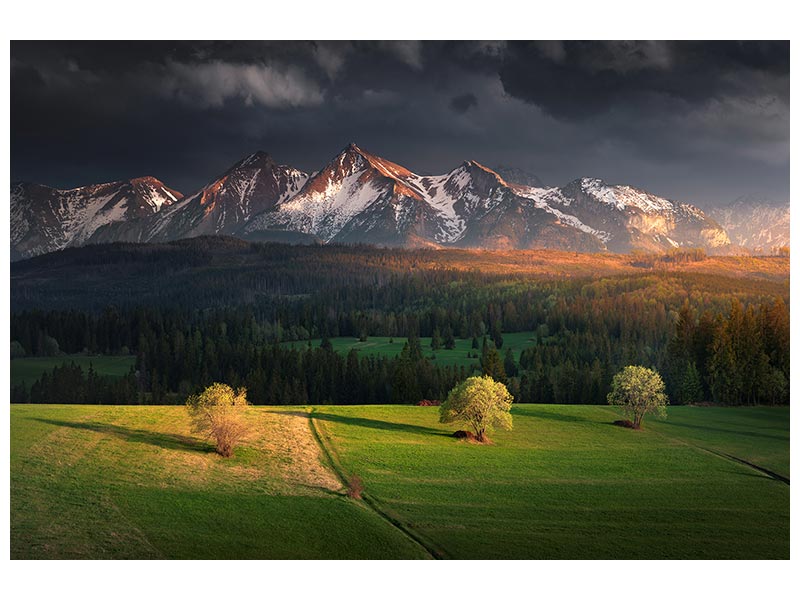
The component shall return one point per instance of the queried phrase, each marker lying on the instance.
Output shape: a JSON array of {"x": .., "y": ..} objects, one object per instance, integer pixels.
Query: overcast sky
[{"x": 702, "y": 123}]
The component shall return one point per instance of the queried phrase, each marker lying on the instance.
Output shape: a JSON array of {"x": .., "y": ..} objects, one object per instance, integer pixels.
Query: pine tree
[
  {"x": 436, "y": 340},
  {"x": 326, "y": 344},
  {"x": 690, "y": 390},
  {"x": 449, "y": 340},
  {"x": 491, "y": 363},
  {"x": 497, "y": 337},
  {"x": 509, "y": 364}
]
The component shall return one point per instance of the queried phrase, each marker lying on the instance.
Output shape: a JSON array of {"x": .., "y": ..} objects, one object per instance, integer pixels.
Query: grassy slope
[
  {"x": 377, "y": 346},
  {"x": 567, "y": 484},
  {"x": 131, "y": 482},
  {"x": 27, "y": 370}
]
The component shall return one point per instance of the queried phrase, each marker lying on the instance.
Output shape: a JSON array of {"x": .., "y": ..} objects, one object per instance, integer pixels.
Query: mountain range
[
  {"x": 754, "y": 223},
  {"x": 359, "y": 197}
]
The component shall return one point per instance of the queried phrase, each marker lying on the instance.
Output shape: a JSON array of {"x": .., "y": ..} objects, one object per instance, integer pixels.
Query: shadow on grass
[
  {"x": 727, "y": 431},
  {"x": 141, "y": 436},
  {"x": 371, "y": 423},
  {"x": 552, "y": 416}
]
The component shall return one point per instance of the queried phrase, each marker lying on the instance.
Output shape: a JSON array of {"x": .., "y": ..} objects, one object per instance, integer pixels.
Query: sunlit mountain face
[{"x": 359, "y": 197}]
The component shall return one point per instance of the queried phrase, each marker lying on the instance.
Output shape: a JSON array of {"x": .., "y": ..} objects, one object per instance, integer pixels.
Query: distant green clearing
[
  {"x": 27, "y": 370},
  {"x": 133, "y": 482},
  {"x": 381, "y": 346}
]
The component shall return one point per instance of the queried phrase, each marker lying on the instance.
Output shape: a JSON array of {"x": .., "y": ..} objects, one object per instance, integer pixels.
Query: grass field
[
  {"x": 567, "y": 484},
  {"x": 377, "y": 346},
  {"x": 132, "y": 482},
  {"x": 27, "y": 370}
]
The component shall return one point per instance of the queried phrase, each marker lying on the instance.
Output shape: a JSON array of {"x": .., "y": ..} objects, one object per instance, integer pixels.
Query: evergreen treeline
[
  {"x": 738, "y": 358},
  {"x": 168, "y": 372},
  {"x": 210, "y": 309},
  {"x": 68, "y": 384},
  {"x": 734, "y": 358}
]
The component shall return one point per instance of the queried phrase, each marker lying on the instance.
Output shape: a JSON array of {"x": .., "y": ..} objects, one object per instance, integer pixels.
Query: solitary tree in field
[
  {"x": 639, "y": 391},
  {"x": 218, "y": 413},
  {"x": 481, "y": 403}
]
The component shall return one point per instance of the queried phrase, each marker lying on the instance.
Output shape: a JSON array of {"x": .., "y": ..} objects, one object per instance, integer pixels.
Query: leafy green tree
[
  {"x": 17, "y": 351},
  {"x": 480, "y": 402},
  {"x": 49, "y": 346},
  {"x": 639, "y": 391},
  {"x": 218, "y": 413}
]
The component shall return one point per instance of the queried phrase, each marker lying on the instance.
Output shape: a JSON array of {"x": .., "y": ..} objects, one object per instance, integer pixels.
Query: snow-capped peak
[{"x": 360, "y": 196}]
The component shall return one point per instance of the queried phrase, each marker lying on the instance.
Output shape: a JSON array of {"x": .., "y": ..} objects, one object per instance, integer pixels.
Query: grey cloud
[
  {"x": 407, "y": 51},
  {"x": 331, "y": 56},
  {"x": 690, "y": 120},
  {"x": 464, "y": 102},
  {"x": 588, "y": 78},
  {"x": 212, "y": 83}
]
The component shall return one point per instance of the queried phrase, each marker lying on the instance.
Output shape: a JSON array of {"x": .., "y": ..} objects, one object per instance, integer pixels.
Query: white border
[{"x": 410, "y": 19}]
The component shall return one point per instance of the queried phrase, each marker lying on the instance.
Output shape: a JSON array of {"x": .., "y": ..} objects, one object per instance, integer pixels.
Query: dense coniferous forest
[{"x": 206, "y": 310}]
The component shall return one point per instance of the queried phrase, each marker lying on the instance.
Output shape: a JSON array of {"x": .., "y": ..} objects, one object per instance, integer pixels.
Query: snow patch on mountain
[
  {"x": 544, "y": 198},
  {"x": 326, "y": 212},
  {"x": 360, "y": 197},
  {"x": 624, "y": 196}
]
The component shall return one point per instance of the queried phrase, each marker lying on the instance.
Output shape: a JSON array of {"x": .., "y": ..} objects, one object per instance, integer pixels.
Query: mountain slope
[
  {"x": 44, "y": 219},
  {"x": 222, "y": 207},
  {"x": 755, "y": 223},
  {"x": 359, "y": 197},
  {"x": 625, "y": 218}
]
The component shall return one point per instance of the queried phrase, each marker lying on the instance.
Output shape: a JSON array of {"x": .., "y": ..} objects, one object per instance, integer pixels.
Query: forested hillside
[{"x": 217, "y": 309}]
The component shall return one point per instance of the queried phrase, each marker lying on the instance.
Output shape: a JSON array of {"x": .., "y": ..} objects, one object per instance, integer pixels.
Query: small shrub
[
  {"x": 218, "y": 413},
  {"x": 355, "y": 487},
  {"x": 429, "y": 403}
]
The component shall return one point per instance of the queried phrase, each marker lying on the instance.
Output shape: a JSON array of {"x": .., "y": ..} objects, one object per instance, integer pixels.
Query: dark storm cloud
[
  {"x": 581, "y": 79},
  {"x": 691, "y": 120},
  {"x": 463, "y": 103}
]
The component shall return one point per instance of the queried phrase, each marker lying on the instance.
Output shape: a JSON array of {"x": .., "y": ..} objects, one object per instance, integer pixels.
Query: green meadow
[
  {"x": 386, "y": 346},
  {"x": 565, "y": 483},
  {"x": 134, "y": 482}
]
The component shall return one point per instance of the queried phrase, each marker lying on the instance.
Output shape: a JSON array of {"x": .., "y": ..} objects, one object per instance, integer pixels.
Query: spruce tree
[
  {"x": 491, "y": 363},
  {"x": 436, "y": 340}
]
